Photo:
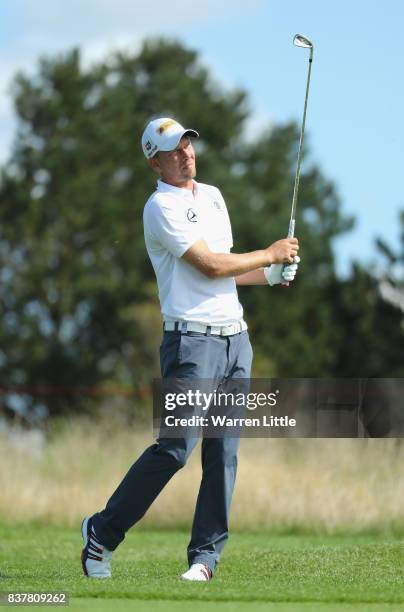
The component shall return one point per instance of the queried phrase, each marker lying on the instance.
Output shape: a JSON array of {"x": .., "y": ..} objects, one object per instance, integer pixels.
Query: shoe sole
[{"x": 84, "y": 532}]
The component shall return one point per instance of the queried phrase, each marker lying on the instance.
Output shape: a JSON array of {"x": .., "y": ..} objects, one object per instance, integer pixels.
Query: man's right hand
[{"x": 283, "y": 251}]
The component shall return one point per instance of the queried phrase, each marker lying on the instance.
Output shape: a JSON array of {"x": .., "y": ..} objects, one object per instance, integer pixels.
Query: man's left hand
[{"x": 279, "y": 273}]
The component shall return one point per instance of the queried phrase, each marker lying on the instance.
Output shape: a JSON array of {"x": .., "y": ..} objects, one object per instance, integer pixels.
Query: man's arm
[
  {"x": 255, "y": 277},
  {"x": 217, "y": 265}
]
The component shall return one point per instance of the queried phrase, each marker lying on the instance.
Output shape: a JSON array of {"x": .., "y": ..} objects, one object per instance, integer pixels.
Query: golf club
[{"x": 300, "y": 41}]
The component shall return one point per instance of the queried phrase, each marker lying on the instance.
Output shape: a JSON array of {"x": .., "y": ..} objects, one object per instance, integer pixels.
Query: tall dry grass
[{"x": 323, "y": 485}]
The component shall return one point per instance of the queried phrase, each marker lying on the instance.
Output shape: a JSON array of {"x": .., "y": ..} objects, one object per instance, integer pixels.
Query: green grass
[{"x": 286, "y": 573}]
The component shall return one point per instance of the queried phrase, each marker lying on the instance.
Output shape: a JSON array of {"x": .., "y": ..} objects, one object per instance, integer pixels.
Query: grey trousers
[{"x": 190, "y": 355}]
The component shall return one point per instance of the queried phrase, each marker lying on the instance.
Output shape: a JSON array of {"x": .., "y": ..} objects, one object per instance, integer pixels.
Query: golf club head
[{"x": 302, "y": 41}]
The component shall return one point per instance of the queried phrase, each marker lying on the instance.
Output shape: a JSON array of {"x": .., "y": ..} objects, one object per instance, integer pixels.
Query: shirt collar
[{"x": 162, "y": 186}]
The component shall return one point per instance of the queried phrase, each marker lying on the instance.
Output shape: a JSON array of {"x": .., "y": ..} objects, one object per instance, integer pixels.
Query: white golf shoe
[
  {"x": 95, "y": 558},
  {"x": 198, "y": 572}
]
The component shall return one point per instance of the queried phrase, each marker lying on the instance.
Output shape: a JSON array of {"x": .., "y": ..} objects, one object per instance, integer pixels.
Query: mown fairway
[{"x": 288, "y": 573}]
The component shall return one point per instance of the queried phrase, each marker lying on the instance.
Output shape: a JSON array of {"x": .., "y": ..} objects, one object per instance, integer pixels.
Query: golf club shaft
[{"x": 291, "y": 230}]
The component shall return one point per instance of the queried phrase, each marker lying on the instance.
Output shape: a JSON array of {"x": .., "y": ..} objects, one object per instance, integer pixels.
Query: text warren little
[{"x": 223, "y": 421}]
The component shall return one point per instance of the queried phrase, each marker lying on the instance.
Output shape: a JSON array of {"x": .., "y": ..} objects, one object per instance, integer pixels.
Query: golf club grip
[{"x": 291, "y": 233}]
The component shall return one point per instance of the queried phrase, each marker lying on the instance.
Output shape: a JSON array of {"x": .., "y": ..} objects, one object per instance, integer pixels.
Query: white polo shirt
[{"x": 174, "y": 219}]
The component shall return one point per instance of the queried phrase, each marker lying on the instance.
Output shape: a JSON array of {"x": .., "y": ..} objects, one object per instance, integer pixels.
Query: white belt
[{"x": 214, "y": 330}]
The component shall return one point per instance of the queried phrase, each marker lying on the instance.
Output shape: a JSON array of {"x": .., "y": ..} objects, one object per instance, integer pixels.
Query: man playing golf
[{"x": 188, "y": 238}]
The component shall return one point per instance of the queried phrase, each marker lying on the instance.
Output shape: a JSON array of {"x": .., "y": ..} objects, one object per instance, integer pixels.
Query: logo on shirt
[
  {"x": 217, "y": 205},
  {"x": 191, "y": 215}
]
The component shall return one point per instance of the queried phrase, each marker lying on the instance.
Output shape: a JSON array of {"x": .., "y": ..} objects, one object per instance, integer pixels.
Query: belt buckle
[{"x": 226, "y": 330}]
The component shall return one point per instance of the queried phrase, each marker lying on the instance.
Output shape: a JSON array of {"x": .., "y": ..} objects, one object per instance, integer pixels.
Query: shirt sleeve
[{"x": 170, "y": 225}]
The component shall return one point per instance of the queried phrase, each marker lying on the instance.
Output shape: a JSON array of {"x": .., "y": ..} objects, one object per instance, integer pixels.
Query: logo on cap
[
  {"x": 148, "y": 145},
  {"x": 191, "y": 215},
  {"x": 164, "y": 126}
]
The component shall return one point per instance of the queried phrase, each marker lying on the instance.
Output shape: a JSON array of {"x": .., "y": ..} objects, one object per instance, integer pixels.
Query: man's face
[{"x": 177, "y": 166}]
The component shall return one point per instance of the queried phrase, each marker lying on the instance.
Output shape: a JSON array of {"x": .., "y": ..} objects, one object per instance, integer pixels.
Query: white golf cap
[{"x": 163, "y": 134}]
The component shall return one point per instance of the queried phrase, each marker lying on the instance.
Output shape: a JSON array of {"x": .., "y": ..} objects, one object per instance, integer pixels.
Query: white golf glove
[{"x": 279, "y": 273}]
